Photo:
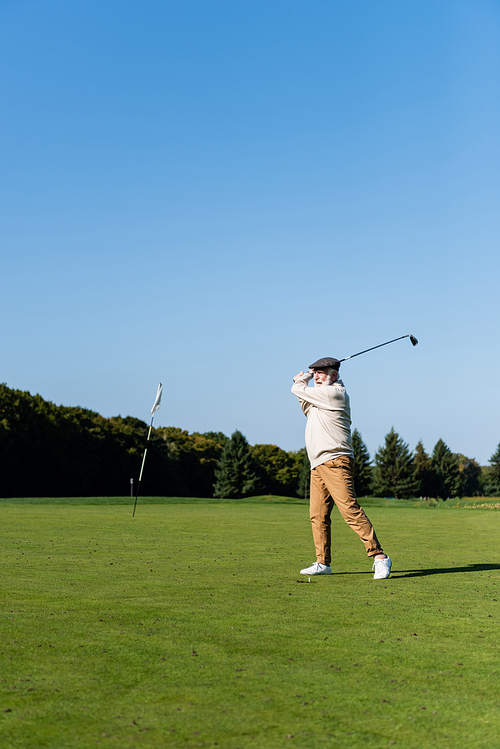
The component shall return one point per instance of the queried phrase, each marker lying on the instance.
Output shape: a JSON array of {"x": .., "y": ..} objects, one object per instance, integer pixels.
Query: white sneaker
[
  {"x": 382, "y": 568},
  {"x": 317, "y": 569}
]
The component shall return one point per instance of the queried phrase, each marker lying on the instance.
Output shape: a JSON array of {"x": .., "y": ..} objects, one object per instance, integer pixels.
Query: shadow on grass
[
  {"x": 447, "y": 570},
  {"x": 399, "y": 574}
]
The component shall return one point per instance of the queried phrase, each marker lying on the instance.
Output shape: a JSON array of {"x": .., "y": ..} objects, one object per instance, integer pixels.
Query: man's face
[{"x": 321, "y": 377}]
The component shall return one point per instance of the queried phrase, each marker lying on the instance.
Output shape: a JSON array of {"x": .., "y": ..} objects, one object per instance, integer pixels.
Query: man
[{"x": 328, "y": 443}]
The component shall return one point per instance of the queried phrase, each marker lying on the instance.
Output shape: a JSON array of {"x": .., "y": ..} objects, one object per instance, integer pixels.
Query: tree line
[
  {"x": 398, "y": 472},
  {"x": 395, "y": 471},
  {"x": 49, "y": 450},
  {"x": 59, "y": 451}
]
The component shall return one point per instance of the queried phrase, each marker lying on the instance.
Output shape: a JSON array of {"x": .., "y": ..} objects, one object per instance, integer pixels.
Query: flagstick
[
  {"x": 142, "y": 466},
  {"x": 156, "y": 406}
]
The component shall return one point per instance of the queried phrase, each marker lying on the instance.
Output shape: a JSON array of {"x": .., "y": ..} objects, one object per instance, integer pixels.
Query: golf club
[{"x": 411, "y": 337}]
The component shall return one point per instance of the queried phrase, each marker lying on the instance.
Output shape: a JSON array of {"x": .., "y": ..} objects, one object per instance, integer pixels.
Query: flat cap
[{"x": 326, "y": 361}]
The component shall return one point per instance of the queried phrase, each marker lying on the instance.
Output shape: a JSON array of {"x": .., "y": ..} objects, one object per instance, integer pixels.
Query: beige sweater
[{"x": 328, "y": 430}]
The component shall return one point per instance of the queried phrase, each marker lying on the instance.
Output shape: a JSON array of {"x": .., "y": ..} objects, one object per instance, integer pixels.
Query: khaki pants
[{"x": 333, "y": 483}]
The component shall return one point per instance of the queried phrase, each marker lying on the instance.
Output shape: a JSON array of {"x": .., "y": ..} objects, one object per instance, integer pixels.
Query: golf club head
[{"x": 413, "y": 340}]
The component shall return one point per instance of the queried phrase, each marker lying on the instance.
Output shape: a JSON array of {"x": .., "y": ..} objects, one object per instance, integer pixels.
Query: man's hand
[{"x": 309, "y": 376}]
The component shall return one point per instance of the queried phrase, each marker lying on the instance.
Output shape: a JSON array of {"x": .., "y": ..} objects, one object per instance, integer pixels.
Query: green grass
[
  {"x": 189, "y": 626},
  {"x": 464, "y": 502}
]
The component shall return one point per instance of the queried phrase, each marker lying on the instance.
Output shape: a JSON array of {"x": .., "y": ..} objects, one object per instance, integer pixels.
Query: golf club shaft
[{"x": 374, "y": 347}]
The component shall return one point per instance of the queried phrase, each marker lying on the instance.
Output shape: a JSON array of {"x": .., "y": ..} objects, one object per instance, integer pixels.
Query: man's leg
[
  {"x": 320, "y": 509},
  {"x": 337, "y": 477}
]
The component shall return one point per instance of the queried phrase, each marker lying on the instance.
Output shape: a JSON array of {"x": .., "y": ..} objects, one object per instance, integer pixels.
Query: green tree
[
  {"x": 492, "y": 475},
  {"x": 277, "y": 470},
  {"x": 235, "y": 475},
  {"x": 362, "y": 465},
  {"x": 394, "y": 475},
  {"x": 495, "y": 464},
  {"x": 445, "y": 465},
  {"x": 424, "y": 472},
  {"x": 470, "y": 476},
  {"x": 196, "y": 456}
]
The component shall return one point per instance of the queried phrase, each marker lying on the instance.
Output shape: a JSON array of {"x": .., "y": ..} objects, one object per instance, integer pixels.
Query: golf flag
[{"x": 156, "y": 404}]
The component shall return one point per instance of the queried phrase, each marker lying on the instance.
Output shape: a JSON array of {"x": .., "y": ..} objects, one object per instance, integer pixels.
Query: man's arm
[
  {"x": 302, "y": 379},
  {"x": 326, "y": 397}
]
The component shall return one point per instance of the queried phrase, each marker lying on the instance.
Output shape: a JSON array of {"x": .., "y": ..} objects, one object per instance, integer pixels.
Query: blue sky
[{"x": 215, "y": 194}]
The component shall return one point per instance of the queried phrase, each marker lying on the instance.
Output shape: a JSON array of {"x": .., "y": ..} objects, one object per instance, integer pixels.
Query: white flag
[{"x": 156, "y": 404}]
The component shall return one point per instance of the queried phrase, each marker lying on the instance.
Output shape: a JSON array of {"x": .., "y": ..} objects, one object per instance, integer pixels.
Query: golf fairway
[{"x": 189, "y": 626}]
